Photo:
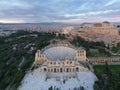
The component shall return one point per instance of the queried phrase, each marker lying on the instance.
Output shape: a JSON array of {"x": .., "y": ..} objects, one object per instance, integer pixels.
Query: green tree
[
  {"x": 50, "y": 88},
  {"x": 96, "y": 87}
]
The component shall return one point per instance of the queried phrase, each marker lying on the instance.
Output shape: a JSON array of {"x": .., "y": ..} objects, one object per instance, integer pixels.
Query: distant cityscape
[{"x": 88, "y": 31}]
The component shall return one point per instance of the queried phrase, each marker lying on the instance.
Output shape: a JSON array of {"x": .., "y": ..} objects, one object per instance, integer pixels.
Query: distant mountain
[
  {"x": 1, "y": 23},
  {"x": 53, "y": 23},
  {"x": 47, "y": 23},
  {"x": 116, "y": 23}
]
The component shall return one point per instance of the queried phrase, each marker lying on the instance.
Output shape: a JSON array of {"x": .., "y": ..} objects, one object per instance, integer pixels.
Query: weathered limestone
[
  {"x": 101, "y": 28},
  {"x": 102, "y": 60},
  {"x": 45, "y": 64}
]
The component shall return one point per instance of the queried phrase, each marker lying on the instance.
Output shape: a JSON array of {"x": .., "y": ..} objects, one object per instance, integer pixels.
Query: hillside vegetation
[{"x": 17, "y": 54}]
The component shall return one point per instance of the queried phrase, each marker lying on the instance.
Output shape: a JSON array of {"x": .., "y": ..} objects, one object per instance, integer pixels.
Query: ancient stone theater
[{"x": 61, "y": 57}]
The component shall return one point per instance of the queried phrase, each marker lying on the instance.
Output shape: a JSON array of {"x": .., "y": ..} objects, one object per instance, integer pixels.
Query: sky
[{"x": 67, "y": 11}]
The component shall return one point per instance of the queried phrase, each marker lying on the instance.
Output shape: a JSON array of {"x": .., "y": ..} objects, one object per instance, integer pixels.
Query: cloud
[
  {"x": 111, "y": 2},
  {"x": 93, "y": 19},
  {"x": 12, "y": 4},
  {"x": 55, "y": 10},
  {"x": 92, "y": 13}
]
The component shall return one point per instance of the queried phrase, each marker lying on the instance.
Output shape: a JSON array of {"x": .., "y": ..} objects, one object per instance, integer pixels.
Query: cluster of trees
[
  {"x": 10, "y": 75},
  {"x": 116, "y": 49},
  {"x": 78, "y": 41},
  {"x": 9, "y": 61},
  {"x": 109, "y": 77}
]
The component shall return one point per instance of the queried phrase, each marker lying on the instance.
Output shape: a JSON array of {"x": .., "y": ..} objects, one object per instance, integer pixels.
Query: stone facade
[
  {"x": 65, "y": 65},
  {"x": 102, "y": 60},
  {"x": 101, "y": 28}
]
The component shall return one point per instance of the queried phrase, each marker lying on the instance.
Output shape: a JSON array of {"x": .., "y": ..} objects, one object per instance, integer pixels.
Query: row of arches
[
  {"x": 54, "y": 63},
  {"x": 107, "y": 60},
  {"x": 69, "y": 69}
]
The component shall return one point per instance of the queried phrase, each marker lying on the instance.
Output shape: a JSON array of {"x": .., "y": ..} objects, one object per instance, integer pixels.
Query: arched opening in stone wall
[
  {"x": 77, "y": 69},
  {"x": 61, "y": 70},
  {"x": 54, "y": 69},
  {"x": 45, "y": 69},
  {"x": 67, "y": 70}
]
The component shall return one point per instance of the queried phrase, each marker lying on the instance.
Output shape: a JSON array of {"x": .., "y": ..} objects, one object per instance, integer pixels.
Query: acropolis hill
[
  {"x": 106, "y": 32},
  {"x": 101, "y": 28}
]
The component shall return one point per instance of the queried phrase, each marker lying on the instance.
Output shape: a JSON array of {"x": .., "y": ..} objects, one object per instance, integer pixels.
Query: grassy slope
[
  {"x": 99, "y": 69},
  {"x": 108, "y": 79}
]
